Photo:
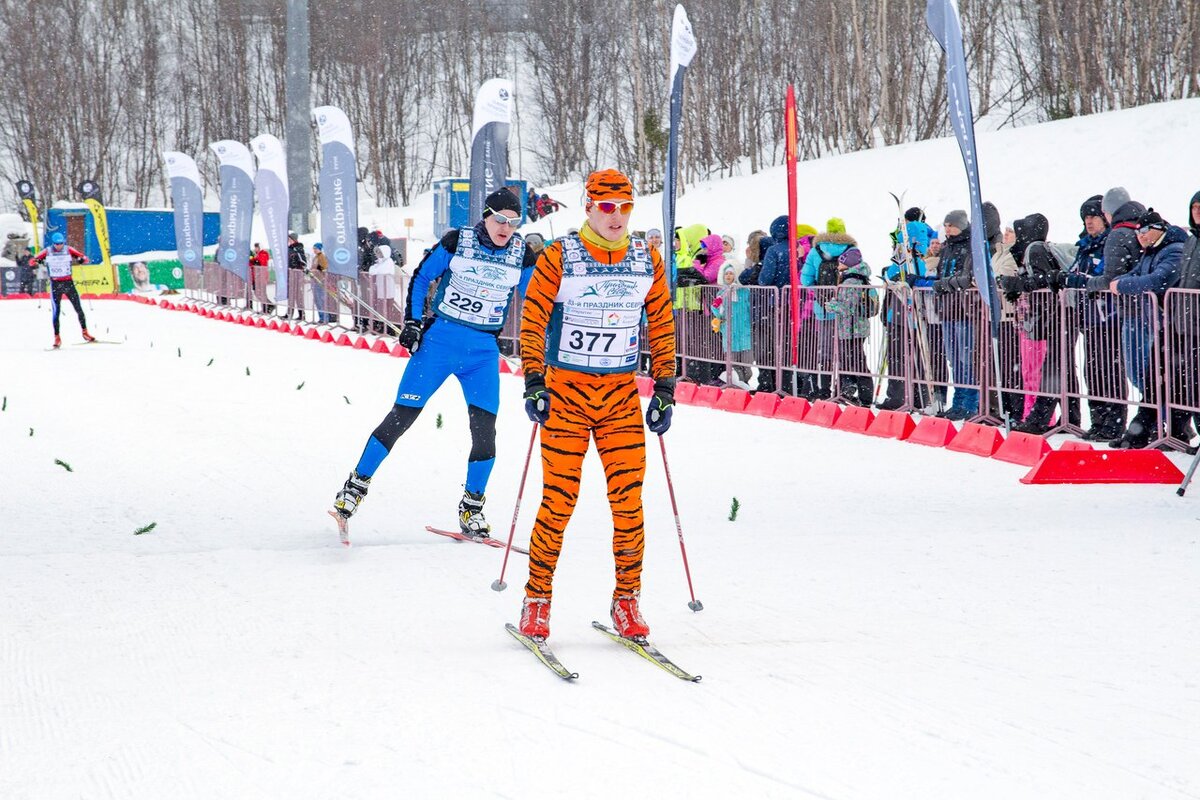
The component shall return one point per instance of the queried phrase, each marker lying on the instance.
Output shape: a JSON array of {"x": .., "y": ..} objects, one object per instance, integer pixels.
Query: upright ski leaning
[
  {"x": 580, "y": 343},
  {"x": 479, "y": 268},
  {"x": 59, "y": 259}
]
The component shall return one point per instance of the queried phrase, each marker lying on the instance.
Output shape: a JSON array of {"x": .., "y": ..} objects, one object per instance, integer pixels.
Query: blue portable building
[
  {"x": 130, "y": 230},
  {"x": 452, "y": 202}
]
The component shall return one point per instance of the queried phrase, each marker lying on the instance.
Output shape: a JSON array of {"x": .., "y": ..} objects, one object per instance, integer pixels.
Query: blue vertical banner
[
  {"x": 237, "y": 206},
  {"x": 188, "y": 201},
  {"x": 683, "y": 49},
  {"x": 942, "y": 18},
  {"x": 337, "y": 187},
  {"x": 271, "y": 192},
  {"x": 490, "y": 124}
]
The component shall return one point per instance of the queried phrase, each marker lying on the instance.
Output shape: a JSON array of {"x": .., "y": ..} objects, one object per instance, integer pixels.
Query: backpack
[{"x": 827, "y": 273}]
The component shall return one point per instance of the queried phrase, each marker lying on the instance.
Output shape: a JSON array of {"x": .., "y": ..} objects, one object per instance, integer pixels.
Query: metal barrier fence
[{"x": 1074, "y": 357}]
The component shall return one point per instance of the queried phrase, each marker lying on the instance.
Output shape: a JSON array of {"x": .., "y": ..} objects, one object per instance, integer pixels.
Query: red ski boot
[
  {"x": 57, "y": 341},
  {"x": 535, "y": 617},
  {"x": 87, "y": 337},
  {"x": 627, "y": 618}
]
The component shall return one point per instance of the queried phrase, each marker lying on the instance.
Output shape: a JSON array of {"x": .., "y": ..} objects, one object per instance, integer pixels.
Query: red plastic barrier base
[
  {"x": 976, "y": 439},
  {"x": 792, "y": 408},
  {"x": 1022, "y": 448},
  {"x": 343, "y": 341},
  {"x": 645, "y": 385},
  {"x": 933, "y": 432},
  {"x": 298, "y": 330},
  {"x": 312, "y": 333},
  {"x": 734, "y": 400},
  {"x": 823, "y": 414},
  {"x": 1071, "y": 444},
  {"x": 399, "y": 352},
  {"x": 763, "y": 404},
  {"x": 327, "y": 337},
  {"x": 891, "y": 425},
  {"x": 854, "y": 419},
  {"x": 259, "y": 322},
  {"x": 505, "y": 369},
  {"x": 1111, "y": 466},
  {"x": 273, "y": 326},
  {"x": 380, "y": 346},
  {"x": 706, "y": 396},
  {"x": 684, "y": 391}
]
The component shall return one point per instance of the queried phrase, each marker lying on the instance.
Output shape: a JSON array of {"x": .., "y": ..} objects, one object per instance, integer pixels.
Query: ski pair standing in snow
[
  {"x": 59, "y": 259},
  {"x": 477, "y": 270},
  {"x": 580, "y": 343}
]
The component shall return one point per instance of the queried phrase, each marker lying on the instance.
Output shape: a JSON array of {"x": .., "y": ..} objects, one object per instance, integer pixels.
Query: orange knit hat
[{"x": 608, "y": 184}]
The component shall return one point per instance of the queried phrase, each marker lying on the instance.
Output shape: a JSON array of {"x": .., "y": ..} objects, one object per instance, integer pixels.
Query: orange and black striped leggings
[{"x": 585, "y": 405}]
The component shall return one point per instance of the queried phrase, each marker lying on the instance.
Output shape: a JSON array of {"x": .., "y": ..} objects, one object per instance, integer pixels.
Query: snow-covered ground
[{"x": 882, "y": 620}]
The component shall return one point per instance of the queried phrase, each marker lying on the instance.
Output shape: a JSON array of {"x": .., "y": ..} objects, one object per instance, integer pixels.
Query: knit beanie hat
[
  {"x": 851, "y": 258},
  {"x": 835, "y": 225},
  {"x": 608, "y": 184},
  {"x": 914, "y": 214},
  {"x": 1152, "y": 219},
  {"x": 1092, "y": 207},
  {"x": 1113, "y": 199},
  {"x": 803, "y": 230},
  {"x": 501, "y": 200},
  {"x": 959, "y": 219}
]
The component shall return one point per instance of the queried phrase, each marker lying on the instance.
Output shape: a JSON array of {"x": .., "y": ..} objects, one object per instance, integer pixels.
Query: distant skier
[
  {"x": 59, "y": 258},
  {"x": 478, "y": 268}
]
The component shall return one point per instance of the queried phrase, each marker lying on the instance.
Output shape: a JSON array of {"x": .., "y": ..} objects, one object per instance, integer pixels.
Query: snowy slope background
[{"x": 882, "y": 620}]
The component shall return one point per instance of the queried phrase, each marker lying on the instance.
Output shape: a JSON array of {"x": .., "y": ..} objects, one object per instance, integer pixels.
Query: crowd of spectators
[{"x": 1089, "y": 311}]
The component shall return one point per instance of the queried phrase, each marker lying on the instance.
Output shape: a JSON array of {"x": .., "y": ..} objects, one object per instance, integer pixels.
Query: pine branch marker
[
  {"x": 733, "y": 510},
  {"x": 63, "y": 464},
  {"x": 439, "y": 421},
  {"x": 145, "y": 529}
]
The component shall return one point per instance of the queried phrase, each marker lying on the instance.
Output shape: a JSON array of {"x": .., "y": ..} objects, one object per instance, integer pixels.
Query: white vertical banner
[
  {"x": 237, "y": 206},
  {"x": 188, "y": 201},
  {"x": 271, "y": 194},
  {"x": 490, "y": 124},
  {"x": 337, "y": 187}
]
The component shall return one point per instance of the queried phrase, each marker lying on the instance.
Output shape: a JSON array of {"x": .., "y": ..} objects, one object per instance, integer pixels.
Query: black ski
[
  {"x": 647, "y": 651},
  {"x": 543, "y": 652}
]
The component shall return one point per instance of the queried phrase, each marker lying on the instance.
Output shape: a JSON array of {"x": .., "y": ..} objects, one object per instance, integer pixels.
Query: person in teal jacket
[
  {"x": 731, "y": 319},
  {"x": 821, "y": 270}
]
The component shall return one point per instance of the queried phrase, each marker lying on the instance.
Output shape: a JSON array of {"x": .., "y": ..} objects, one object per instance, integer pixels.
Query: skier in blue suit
[{"x": 477, "y": 270}]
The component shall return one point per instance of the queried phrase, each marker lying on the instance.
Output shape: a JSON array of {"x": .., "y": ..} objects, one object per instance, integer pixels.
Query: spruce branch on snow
[
  {"x": 145, "y": 529},
  {"x": 63, "y": 464},
  {"x": 733, "y": 510}
]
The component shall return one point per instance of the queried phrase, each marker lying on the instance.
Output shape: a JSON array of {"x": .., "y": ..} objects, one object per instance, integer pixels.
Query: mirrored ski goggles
[
  {"x": 613, "y": 206},
  {"x": 513, "y": 221}
]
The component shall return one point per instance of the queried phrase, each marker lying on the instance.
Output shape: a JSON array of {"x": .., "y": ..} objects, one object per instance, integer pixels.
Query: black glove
[
  {"x": 537, "y": 398},
  {"x": 658, "y": 413},
  {"x": 942, "y": 286},
  {"x": 911, "y": 279},
  {"x": 1057, "y": 279},
  {"x": 410, "y": 337},
  {"x": 1010, "y": 285}
]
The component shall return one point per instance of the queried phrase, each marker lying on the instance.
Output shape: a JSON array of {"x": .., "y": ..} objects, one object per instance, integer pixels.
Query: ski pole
[
  {"x": 694, "y": 605},
  {"x": 1188, "y": 478},
  {"x": 499, "y": 585}
]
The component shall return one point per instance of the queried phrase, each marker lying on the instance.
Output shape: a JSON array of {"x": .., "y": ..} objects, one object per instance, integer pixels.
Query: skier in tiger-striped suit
[{"x": 580, "y": 339}]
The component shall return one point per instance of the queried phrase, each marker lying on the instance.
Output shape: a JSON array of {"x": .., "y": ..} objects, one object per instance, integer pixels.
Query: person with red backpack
[{"x": 59, "y": 259}]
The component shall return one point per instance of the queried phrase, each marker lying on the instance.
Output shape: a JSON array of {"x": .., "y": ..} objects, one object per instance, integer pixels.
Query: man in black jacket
[
  {"x": 297, "y": 259},
  {"x": 955, "y": 279},
  {"x": 1185, "y": 332}
]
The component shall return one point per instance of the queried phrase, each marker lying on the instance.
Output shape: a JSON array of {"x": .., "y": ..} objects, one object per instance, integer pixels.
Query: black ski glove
[
  {"x": 658, "y": 412},
  {"x": 410, "y": 337},
  {"x": 537, "y": 398}
]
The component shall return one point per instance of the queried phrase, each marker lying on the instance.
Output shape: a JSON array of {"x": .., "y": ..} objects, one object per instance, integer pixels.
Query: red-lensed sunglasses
[{"x": 613, "y": 206}]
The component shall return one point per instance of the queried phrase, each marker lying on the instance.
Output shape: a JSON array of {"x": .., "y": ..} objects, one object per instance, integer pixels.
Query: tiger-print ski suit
[{"x": 585, "y": 405}]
